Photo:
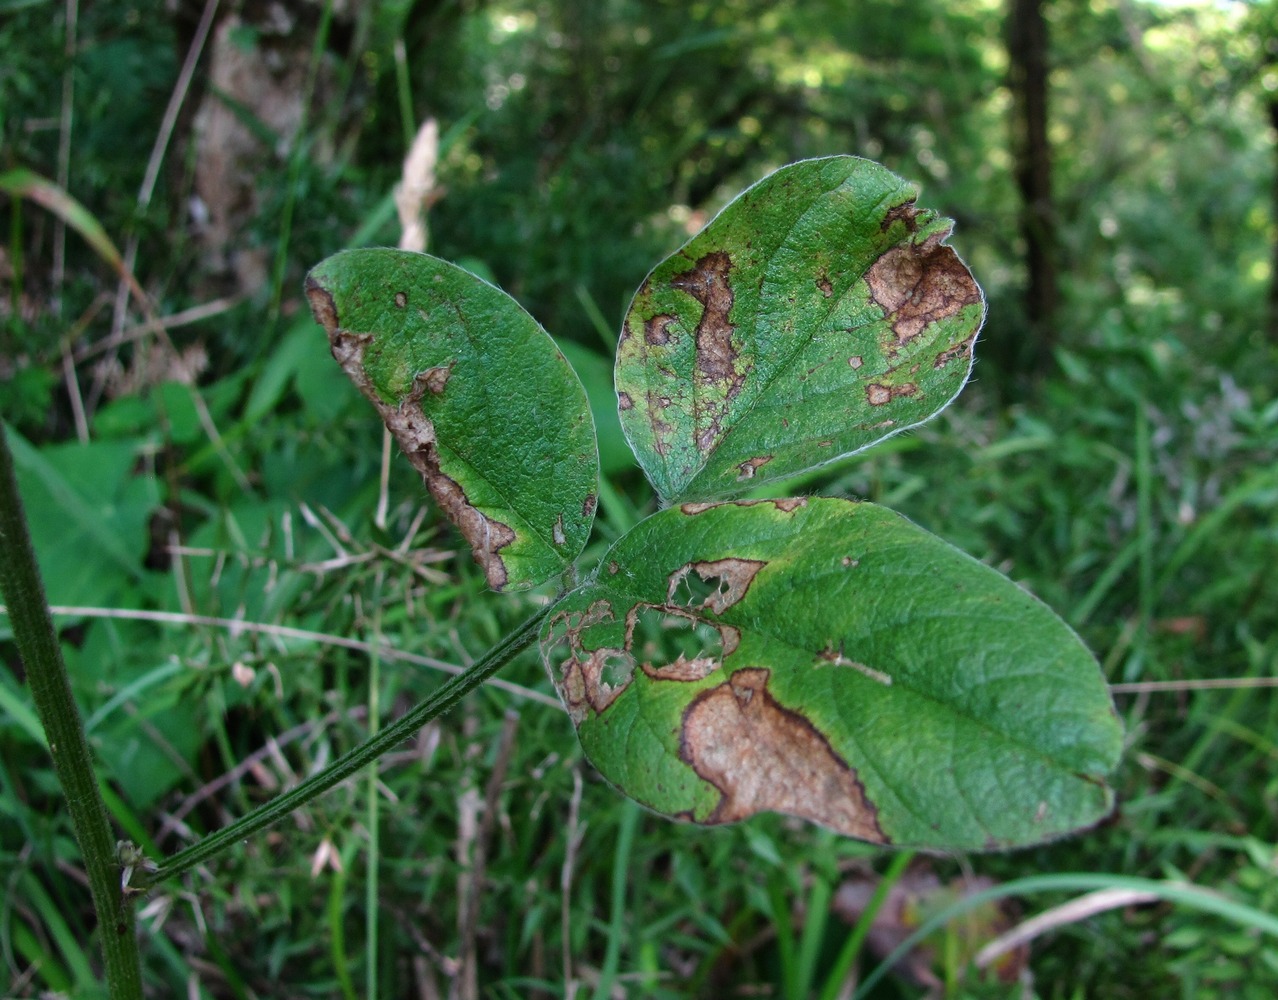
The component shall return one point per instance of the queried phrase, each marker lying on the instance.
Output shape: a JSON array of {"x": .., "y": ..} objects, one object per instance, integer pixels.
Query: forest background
[{"x": 207, "y": 494}]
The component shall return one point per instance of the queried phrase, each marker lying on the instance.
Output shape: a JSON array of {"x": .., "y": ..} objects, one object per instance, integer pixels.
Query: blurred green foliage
[{"x": 1132, "y": 485}]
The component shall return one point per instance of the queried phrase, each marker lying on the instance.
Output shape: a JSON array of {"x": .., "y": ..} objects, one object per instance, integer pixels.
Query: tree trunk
[{"x": 1027, "y": 48}]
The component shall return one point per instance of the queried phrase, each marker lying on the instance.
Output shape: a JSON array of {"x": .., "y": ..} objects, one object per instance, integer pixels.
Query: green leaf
[
  {"x": 817, "y": 314},
  {"x": 88, "y": 514},
  {"x": 479, "y": 399},
  {"x": 831, "y": 660}
]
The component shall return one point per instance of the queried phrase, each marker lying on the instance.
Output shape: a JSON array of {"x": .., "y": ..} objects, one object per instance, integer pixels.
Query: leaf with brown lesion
[
  {"x": 763, "y": 757},
  {"x": 519, "y": 482},
  {"x": 774, "y": 341},
  {"x": 829, "y": 660}
]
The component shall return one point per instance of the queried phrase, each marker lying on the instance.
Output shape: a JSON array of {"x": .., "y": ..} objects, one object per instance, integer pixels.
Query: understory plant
[
  {"x": 814, "y": 656},
  {"x": 733, "y": 653}
]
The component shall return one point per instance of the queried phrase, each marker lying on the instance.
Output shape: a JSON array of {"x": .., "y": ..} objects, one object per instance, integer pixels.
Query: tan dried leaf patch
[{"x": 762, "y": 757}]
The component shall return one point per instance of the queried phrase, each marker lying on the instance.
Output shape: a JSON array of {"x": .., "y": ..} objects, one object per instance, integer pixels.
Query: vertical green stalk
[
  {"x": 851, "y": 949},
  {"x": 23, "y": 593},
  {"x": 1145, "y": 535},
  {"x": 816, "y": 917},
  {"x": 617, "y": 915},
  {"x": 371, "y": 894}
]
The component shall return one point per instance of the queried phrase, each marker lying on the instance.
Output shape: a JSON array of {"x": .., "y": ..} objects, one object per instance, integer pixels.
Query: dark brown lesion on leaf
[
  {"x": 656, "y": 331},
  {"x": 487, "y": 536},
  {"x": 752, "y": 465},
  {"x": 415, "y": 434},
  {"x": 963, "y": 349},
  {"x": 624, "y": 402},
  {"x": 401, "y": 300},
  {"x": 906, "y": 213},
  {"x": 433, "y": 380},
  {"x": 591, "y": 684},
  {"x": 718, "y": 359},
  {"x": 589, "y": 680},
  {"x": 762, "y": 757},
  {"x": 322, "y": 306},
  {"x": 919, "y": 284},
  {"x": 877, "y": 394}
]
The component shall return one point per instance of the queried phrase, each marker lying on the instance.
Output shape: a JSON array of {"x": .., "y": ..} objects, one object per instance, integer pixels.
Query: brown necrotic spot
[
  {"x": 322, "y": 306},
  {"x": 829, "y": 655},
  {"x": 962, "y": 349},
  {"x": 823, "y": 283},
  {"x": 730, "y": 579},
  {"x": 917, "y": 285},
  {"x": 877, "y": 394},
  {"x": 682, "y": 669},
  {"x": 906, "y": 213},
  {"x": 656, "y": 331},
  {"x": 751, "y": 466},
  {"x": 415, "y": 434},
  {"x": 486, "y": 536},
  {"x": 433, "y": 380},
  {"x": 401, "y": 300},
  {"x": 624, "y": 402},
  {"x": 707, "y": 282},
  {"x": 592, "y": 681},
  {"x": 856, "y": 361},
  {"x": 762, "y": 757},
  {"x": 789, "y": 505}
]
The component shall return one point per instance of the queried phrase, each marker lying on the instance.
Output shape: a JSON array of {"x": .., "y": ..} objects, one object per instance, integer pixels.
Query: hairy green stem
[
  {"x": 353, "y": 761},
  {"x": 46, "y": 672}
]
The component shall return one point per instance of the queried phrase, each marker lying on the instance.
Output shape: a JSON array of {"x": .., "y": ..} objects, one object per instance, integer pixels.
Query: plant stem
[
  {"x": 372, "y": 895},
  {"x": 46, "y": 672},
  {"x": 851, "y": 949},
  {"x": 354, "y": 760}
]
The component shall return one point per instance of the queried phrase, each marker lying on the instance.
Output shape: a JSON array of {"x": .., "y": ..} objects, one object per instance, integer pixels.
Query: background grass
[{"x": 235, "y": 478}]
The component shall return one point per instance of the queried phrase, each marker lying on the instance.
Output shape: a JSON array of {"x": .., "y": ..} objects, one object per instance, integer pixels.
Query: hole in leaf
[
  {"x": 695, "y": 592},
  {"x": 661, "y": 637},
  {"x": 616, "y": 669}
]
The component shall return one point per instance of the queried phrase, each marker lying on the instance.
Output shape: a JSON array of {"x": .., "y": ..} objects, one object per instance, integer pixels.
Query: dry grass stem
[
  {"x": 237, "y": 626},
  {"x": 416, "y": 191},
  {"x": 1204, "y": 684},
  {"x": 1060, "y": 916},
  {"x": 575, "y": 833}
]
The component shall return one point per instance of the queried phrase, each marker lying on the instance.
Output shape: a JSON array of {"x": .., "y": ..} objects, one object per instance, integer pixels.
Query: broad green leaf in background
[
  {"x": 831, "y": 660},
  {"x": 88, "y": 512},
  {"x": 479, "y": 398},
  {"x": 818, "y": 313}
]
